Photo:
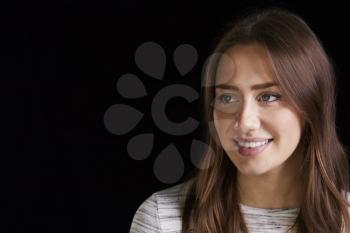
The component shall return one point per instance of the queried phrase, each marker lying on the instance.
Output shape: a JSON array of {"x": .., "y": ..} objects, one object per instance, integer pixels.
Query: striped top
[{"x": 161, "y": 213}]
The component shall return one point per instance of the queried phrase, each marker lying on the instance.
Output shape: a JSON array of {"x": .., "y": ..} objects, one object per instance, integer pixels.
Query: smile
[{"x": 252, "y": 148}]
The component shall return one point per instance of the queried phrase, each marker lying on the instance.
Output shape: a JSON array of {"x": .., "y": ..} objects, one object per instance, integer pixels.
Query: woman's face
[{"x": 246, "y": 108}]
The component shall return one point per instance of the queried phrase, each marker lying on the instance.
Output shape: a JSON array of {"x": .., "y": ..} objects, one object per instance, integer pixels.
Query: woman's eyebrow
[{"x": 254, "y": 87}]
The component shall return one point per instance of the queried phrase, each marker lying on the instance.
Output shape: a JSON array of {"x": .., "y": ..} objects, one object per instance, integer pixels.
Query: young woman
[{"x": 275, "y": 163}]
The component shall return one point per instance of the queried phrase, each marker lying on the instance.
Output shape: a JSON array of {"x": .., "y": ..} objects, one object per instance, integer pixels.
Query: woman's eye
[
  {"x": 225, "y": 99},
  {"x": 267, "y": 97}
]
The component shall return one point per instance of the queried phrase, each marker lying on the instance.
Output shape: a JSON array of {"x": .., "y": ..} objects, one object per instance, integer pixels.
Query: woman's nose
[{"x": 248, "y": 118}]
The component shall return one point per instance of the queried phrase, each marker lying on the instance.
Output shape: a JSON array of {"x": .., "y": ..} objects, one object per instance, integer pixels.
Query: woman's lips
[{"x": 247, "y": 151}]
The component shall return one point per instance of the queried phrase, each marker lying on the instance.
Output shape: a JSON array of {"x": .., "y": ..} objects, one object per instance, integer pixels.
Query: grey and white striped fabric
[{"x": 161, "y": 213}]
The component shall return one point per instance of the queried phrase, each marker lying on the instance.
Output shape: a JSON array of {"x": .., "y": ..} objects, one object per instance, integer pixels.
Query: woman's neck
[{"x": 279, "y": 188}]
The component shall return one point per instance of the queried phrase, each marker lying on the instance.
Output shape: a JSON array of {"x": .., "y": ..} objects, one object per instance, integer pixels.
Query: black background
[{"x": 62, "y": 171}]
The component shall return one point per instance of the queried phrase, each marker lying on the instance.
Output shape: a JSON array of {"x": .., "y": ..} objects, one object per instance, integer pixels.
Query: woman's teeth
[{"x": 252, "y": 144}]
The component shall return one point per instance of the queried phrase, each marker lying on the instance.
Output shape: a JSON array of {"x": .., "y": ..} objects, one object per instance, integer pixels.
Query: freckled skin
[{"x": 275, "y": 167}]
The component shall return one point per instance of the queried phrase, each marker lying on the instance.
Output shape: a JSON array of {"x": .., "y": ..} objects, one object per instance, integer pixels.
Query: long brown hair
[{"x": 305, "y": 74}]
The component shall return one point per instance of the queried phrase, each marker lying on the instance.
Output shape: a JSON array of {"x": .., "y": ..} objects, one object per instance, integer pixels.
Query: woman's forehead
[{"x": 248, "y": 63}]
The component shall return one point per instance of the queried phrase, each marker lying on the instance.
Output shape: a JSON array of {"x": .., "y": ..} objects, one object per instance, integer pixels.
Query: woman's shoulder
[
  {"x": 174, "y": 194},
  {"x": 347, "y": 195},
  {"x": 162, "y": 211}
]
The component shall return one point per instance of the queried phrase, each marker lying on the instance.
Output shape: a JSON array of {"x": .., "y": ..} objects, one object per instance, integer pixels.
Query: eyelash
[{"x": 277, "y": 96}]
